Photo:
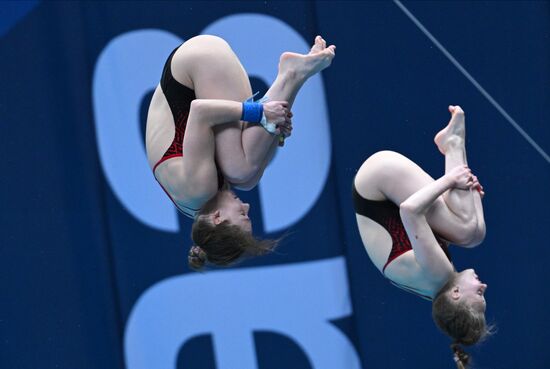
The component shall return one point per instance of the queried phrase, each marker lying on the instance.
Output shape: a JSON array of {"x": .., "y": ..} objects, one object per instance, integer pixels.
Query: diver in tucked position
[
  {"x": 204, "y": 135},
  {"x": 407, "y": 220}
]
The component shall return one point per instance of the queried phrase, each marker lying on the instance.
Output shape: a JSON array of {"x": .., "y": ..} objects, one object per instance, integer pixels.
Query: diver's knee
[
  {"x": 479, "y": 235},
  {"x": 240, "y": 175},
  {"x": 465, "y": 233},
  {"x": 472, "y": 235},
  {"x": 208, "y": 39},
  {"x": 384, "y": 156}
]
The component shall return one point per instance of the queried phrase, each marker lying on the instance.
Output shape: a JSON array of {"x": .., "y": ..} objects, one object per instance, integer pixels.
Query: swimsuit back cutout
[
  {"x": 386, "y": 213},
  {"x": 179, "y": 99}
]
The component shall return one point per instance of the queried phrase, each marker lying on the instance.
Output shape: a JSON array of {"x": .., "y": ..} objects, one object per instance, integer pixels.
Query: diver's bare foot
[
  {"x": 319, "y": 44},
  {"x": 455, "y": 131},
  {"x": 304, "y": 66}
]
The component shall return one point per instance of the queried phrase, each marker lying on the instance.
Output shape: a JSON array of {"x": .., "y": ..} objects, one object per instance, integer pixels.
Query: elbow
[
  {"x": 196, "y": 105},
  {"x": 197, "y": 108},
  {"x": 406, "y": 209}
]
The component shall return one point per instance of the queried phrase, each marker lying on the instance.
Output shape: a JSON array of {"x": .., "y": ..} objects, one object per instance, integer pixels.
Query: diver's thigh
[
  {"x": 390, "y": 175},
  {"x": 213, "y": 69}
]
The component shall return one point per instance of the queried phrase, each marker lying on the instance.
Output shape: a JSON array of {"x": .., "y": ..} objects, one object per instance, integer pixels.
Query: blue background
[{"x": 74, "y": 262}]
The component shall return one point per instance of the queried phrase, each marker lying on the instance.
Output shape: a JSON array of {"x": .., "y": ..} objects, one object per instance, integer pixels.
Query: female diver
[
  {"x": 407, "y": 220},
  {"x": 201, "y": 139}
]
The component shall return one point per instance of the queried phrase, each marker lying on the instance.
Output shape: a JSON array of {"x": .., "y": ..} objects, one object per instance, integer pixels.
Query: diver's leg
[
  {"x": 466, "y": 204},
  {"x": 388, "y": 175},
  {"x": 294, "y": 70},
  {"x": 214, "y": 72}
]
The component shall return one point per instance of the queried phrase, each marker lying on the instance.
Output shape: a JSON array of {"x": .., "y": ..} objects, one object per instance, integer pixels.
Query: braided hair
[
  {"x": 461, "y": 358},
  {"x": 196, "y": 257}
]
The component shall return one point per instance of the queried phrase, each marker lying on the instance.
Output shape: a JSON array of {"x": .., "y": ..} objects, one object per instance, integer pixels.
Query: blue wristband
[{"x": 252, "y": 112}]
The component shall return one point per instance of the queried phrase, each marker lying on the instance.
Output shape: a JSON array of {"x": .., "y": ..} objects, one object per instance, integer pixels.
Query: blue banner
[{"x": 94, "y": 255}]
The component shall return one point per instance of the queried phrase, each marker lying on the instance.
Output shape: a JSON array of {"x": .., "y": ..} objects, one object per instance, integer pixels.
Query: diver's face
[
  {"x": 234, "y": 210},
  {"x": 472, "y": 290}
]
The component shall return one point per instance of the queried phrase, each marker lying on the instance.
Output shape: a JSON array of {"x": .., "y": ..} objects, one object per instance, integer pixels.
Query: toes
[
  {"x": 455, "y": 109},
  {"x": 321, "y": 45},
  {"x": 317, "y": 44}
]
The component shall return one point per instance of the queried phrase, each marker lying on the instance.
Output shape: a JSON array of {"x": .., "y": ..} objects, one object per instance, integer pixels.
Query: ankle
[
  {"x": 291, "y": 75},
  {"x": 454, "y": 142},
  {"x": 290, "y": 80}
]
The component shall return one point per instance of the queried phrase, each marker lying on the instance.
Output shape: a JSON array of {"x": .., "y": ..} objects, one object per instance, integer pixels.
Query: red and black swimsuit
[
  {"x": 386, "y": 213},
  {"x": 179, "y": 99}
]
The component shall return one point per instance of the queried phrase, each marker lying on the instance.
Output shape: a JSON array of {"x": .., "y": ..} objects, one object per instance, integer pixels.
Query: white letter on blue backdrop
[
  {"x": 233, "y": 304},
  {"x": 128, "y": 68}
]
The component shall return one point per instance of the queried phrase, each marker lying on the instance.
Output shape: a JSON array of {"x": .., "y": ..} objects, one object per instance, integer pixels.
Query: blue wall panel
[{"x": 87, "y": 283}]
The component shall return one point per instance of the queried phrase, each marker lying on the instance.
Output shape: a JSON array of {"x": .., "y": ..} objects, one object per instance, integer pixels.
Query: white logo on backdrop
[{"x": 295, "y": 300}]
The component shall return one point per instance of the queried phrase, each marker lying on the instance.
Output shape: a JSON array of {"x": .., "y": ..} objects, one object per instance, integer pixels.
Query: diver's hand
[
  {"x": 478, "y": 187},
  {"x": 461, "y": 177},
  {"x": 277, "y": 112},
  {"x": 284, "y": 130}
]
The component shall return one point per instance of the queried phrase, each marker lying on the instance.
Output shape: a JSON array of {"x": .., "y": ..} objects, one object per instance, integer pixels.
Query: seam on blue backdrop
[
  {"x": 473, "y": 81},
  {"x": 13, "y": 13}
]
